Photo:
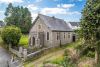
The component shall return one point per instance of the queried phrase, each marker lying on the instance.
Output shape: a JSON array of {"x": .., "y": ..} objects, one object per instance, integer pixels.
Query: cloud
[
  {"x": 73, "y": 13},
  {"x": 56, "y": 11},
  {"x": 2, "y": 15},
  {"x": 11, "y": 1},
  {"x": 34, "y": 15},
  {"x": 38, "y": 0},
  {"x": 32, "y": 7},
  {"x": 65, "y": 5},
  {"x": 53, "y": 11},
  {"x": 2, "y": 11}
]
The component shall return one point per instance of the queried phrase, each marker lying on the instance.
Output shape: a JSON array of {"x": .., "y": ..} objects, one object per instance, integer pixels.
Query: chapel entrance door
[{"x": 41, "y": 37}]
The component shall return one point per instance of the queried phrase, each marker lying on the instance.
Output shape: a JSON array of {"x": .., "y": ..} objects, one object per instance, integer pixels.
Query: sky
[{"x": 68, "y": 10}]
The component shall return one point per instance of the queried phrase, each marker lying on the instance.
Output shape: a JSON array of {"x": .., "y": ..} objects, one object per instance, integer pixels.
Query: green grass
[
  {"x": 54, "y": 60},
  {"x": 74, "y": 44},
  {"x": 24, "y": 41},
  {"x": 57, "y": 60}
]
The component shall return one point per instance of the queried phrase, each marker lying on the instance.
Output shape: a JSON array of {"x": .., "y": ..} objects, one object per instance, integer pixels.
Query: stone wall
[
  {"x": 41, "y": 27},
  {"x": 63, "y": 38}
]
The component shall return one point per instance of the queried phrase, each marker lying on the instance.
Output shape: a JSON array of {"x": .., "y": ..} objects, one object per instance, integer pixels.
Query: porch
[{"x": 36, "y": 39}]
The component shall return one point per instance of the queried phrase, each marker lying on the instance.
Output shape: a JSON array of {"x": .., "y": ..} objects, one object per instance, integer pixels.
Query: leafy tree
[
  {"x": 18, "y": 16},
  {"x": 11, "y": 35},
  {"x": 90, "y": 26}
]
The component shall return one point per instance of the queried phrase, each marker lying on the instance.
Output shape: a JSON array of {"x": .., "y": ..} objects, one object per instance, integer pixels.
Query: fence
[{"x": 23, "y": 53}]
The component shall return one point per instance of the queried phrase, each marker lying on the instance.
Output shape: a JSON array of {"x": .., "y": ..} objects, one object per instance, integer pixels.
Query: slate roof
[
  {"x": 55, "y": 24},
  {"x": 75, "y": 23}
]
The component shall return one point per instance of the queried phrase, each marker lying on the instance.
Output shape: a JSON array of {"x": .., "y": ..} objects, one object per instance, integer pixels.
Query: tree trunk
[{"x": 97, "y": 56}]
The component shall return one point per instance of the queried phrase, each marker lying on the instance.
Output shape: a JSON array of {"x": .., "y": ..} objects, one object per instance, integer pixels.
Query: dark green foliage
[
  {"x": 89, "y": 52},
  {"x": 18, "y": 16},
  {"x": 90, "y": 26},
  {"x": 11, "y": 35}
]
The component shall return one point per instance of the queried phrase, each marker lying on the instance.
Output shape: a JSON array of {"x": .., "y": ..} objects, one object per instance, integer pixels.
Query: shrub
[
  {"x": 67, "y": 62},
  {"x": 24, "y": 41},
  {"x": 11, "y": 35}
]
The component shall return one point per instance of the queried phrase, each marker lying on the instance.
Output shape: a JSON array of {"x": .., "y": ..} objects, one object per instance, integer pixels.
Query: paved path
[{"x": 4, "y": 57}]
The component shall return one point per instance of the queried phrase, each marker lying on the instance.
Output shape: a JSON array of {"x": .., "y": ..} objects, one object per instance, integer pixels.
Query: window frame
[
  {"x": 47, "y": 35},
  {"x": 68, "y": 34}
]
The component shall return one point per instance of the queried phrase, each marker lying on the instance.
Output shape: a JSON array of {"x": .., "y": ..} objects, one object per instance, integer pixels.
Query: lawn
[
  {"x": 24, "y": 41},
  {"x": 54, "y": 57}
]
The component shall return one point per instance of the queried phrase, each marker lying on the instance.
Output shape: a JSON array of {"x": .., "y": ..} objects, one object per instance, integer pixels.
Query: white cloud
[
  {"x": 65, "y": 5},
  {"x": 73, "y": 13},
  {"x": 1, "y": 11},
  {"x": 34, "y": 15},
  {"x": 56, "y": 11},
  {"x": 53, "y": 11},
  {"x": 11, "y": 1},
  {"x": 2, "y": 15},
  {"x": 32, "y": 7}
]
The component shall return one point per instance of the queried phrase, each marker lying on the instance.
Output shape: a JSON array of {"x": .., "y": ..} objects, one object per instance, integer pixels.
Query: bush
[
  {"x": 24, "y": 41},
  {"x": 11, "y": 35},
  {"x": 67, "y": 61}
]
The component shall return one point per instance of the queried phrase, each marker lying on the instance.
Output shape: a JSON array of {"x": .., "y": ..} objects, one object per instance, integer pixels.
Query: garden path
[{"x": 4, "y": 57}]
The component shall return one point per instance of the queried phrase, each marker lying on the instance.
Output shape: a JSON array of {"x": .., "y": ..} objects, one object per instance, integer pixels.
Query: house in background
[
  {"x": 74, "y": 25},
  {"x": 2, "y": 24},
  {"x": 49, "y": 32}
]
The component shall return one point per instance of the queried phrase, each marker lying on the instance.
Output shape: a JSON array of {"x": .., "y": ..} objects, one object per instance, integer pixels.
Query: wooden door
[{"x": 41, "y": 37}]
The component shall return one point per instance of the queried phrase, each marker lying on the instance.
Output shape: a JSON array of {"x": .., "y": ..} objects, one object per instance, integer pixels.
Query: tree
[
  {"x": 90, "y": 26},
  {"x": 11, "y": 35},
  {"x": 18, "y": 16}
]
